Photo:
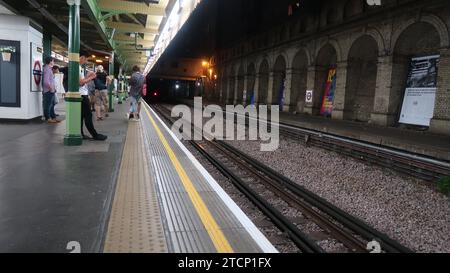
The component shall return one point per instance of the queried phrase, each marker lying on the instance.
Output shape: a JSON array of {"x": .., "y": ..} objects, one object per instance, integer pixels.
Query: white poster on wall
[
  {"x": 36, "y": 68},
  {"x": 420, "y": 95}
]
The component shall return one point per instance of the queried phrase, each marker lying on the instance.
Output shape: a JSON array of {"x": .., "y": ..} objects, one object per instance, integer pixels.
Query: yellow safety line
[{"x": 218, "y": 238}]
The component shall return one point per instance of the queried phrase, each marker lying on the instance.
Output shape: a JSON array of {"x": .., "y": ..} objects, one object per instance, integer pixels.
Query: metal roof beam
[
  {"x": 131, "y": 28},
  {"x": 130, "y": 7}
]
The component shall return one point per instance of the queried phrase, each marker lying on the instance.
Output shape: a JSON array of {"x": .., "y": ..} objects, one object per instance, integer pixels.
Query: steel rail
[
  {"x": 356, "y": 225},
  {"x": 351, "y": 222},
  {"x": 301, "y": 240}
]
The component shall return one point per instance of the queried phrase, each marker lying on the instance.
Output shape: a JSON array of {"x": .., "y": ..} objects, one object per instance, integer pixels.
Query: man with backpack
[{"x": 137, "y": 81}]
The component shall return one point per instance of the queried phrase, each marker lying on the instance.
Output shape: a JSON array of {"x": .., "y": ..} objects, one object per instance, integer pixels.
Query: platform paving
[{"x": 50, "y": 194}]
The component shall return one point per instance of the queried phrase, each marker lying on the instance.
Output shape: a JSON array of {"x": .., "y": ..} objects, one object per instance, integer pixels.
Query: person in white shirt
[{"x": 86, "y": 113}]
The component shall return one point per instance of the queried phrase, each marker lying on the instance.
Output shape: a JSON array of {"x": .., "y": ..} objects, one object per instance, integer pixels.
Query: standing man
[
  {"x": 86, "y": 113},
  {"x": 102, "y": 95},
  {"x": 137, "y": 83},
  {"x": 49, "y": 91}
]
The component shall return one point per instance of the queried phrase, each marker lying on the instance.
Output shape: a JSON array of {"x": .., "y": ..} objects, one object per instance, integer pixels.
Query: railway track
[
  {"x": 418, "y": 166},
  {"x": 407, "y": 163},
  {"x": 259, "y": 184}
]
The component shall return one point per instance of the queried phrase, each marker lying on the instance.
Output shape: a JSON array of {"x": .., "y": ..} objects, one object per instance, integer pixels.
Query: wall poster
[
  {"x": 328, "y": 96},
  {"x": 420, "y": 96}
]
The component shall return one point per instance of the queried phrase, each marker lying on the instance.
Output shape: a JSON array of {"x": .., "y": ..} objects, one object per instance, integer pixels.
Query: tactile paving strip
[
  {"x": 135, "y": 224},
  {"x": 184, "y": 226}
]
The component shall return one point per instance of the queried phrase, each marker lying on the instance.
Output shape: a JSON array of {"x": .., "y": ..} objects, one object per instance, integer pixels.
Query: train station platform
[
  {"x": 423, "y": 143},
  {"x": 51, "y": 194},
  {"x": 141, "y": 191}
]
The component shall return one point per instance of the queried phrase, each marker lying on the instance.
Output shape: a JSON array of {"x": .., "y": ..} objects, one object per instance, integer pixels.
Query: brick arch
[
  {"x": 433, "y": 20},
  {"x": 361, "y": 79},
  {"x": 263, "y": 70},
  {"x": 335, "y": 44},
  {"x": 297, "y": 52},
  {"x": 375, "y": 33},
  {"x": 415, "y": 38},
  {"x": 279, "y": 76},
  {"x": 260, "y": 61},
  {"x": 236, "y": 67},
  {"x": 299, "y": 65},
  {"x": 280, "y": 57},
  {"x": 326, "y": 58},
  {"x": 240, "y": 83},
  {"x": 231, "y": 84},
  {"x": 251, "y": 81},
  {"x": 225, "y": 83}
]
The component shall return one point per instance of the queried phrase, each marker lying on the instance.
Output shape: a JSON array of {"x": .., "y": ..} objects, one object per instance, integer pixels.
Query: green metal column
[
  {"x": 111, "y": 86},
  {"x": 47, "y": 44},
  {"x": 73, "y": 97}
]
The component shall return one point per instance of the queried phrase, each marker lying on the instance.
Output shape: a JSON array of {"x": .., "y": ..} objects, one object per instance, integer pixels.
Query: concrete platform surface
[{"x": 50, "y": 194}]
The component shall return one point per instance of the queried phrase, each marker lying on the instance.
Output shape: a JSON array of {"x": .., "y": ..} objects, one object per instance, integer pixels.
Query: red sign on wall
[{"x": 37, "y": 73}]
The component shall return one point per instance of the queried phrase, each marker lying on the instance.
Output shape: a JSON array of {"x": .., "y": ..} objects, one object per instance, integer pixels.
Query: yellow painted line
[{"x": 218, "y": 238}]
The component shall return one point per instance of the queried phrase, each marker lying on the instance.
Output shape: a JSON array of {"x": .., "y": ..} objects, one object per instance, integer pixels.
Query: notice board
[{"x": 420, "y": 95}]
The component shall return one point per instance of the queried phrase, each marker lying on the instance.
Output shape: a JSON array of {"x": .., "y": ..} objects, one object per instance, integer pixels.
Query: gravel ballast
[{"x": 406, "y": 209}]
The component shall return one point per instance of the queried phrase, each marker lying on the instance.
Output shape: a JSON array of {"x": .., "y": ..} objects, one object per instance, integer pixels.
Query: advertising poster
[
  {"x": 420, "y": 95},
  {"x": 328, "y": 97},
  {"x": 281, "y": 93}
]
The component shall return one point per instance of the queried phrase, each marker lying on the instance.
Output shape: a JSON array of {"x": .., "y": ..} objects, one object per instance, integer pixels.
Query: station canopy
[{"x": 130, "y": 28}]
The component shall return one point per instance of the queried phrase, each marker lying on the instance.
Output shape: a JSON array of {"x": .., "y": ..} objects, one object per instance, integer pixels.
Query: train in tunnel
[{"x": 163, "y": 90}]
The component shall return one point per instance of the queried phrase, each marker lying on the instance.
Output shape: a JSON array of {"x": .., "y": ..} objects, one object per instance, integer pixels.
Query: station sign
[
  {"x": 36, "y": 67},
  {"x": 309, "y": 96}
]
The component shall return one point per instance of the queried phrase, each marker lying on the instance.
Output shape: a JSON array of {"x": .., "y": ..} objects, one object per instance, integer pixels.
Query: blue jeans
[{"x": 49, "y": 106}]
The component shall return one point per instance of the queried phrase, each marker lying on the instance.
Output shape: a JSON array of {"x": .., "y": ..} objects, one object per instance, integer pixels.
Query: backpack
[{"x": 144, "y": 90}]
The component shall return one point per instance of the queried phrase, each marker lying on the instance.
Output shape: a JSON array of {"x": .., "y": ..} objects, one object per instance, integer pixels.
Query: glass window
[{"x": 9, "y": 73}]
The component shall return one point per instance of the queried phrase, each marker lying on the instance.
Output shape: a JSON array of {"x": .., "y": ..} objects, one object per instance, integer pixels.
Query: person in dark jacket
[
  {"x": 137, "y": 81},
  {"x": 101, "y": 94},
  {"x": 65, "y": 71}
]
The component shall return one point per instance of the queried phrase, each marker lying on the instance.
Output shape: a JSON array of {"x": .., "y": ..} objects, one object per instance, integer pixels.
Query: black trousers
[{"x": 86, "y": 115}]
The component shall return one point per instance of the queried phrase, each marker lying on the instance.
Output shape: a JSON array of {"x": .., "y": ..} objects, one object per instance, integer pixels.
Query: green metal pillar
[
  {"x": 73, "y": 97},
  {"x": 47, "y": 43},
  {"x": 111, "y": 86}
]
